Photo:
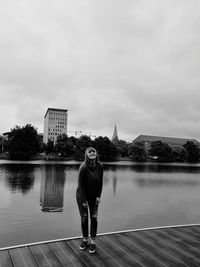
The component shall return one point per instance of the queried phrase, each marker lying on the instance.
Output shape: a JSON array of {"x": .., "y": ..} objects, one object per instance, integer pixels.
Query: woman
[{"x": 90, "y": 181}]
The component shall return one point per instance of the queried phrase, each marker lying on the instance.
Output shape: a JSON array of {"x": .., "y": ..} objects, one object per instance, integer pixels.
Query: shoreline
[{"x": 52, "y": 157}]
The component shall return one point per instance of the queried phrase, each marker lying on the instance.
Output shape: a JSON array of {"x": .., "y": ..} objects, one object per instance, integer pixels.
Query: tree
[
  {"x": 193, "y": 152},
  {"x": 23, "y": 142},
  {"x": 161, "y": 150},
  {"x": 71, "y": 145},
  {"x": 179, "y": 154},
  {"x": 1, "y": 144},
  {"x": 65, "y": 145},
  {"x": 61, "y": 144},
  {"x": 49, "y": 147},
  {"x": 122, "y": 147},
  {"x": 83, "y": 142},
  {"x": 106, "y": 149},
  {"x": 137, "y": 151}
]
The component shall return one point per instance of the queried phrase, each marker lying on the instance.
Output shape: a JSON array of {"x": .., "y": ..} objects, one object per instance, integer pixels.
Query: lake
[{"x": 37, "y": 198}]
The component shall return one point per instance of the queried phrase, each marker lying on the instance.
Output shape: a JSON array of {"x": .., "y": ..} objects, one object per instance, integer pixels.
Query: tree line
[
  {"x": 25, "y": 143},
  {"x": 162, "y": 152}
]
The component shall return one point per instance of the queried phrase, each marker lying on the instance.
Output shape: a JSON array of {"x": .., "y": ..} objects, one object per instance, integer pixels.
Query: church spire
[{"x": 115, "y": 135}]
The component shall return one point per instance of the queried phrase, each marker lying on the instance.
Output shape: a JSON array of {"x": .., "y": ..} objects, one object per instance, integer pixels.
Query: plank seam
[
  {"x": 10, "y": 258},
  {"x": 123, "y": 251},
  {"x": 34, "y": 257},
  {"x": 74, "y": 251},
  {"x": 55, "y": 255}
]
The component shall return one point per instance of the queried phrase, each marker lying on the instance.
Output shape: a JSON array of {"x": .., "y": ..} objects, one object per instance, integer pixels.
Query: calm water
[{"x": 37, "y": 199}]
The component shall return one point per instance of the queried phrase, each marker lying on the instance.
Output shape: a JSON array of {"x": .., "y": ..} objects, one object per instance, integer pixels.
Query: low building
[{"x": 171, "y": 141}]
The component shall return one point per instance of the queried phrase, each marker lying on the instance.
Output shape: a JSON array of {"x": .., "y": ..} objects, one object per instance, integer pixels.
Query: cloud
[{"x": 134, "y": 63}]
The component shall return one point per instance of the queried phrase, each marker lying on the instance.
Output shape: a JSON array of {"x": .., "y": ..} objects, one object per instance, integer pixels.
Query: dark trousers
[{"x": 93, "y": 209}]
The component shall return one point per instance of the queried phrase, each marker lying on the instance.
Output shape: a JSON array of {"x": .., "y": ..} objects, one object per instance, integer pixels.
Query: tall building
[
  {"x": 115, "y": 135},
  {"x": 55, "y": 123}
]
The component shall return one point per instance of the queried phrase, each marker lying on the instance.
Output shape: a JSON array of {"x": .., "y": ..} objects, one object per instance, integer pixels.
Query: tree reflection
[
  {"x": 52, "y": 189},
  {"x": 19, "y": 177},
  {"x": 154, "y": 167},
  {"x": 156, "y": 182}
]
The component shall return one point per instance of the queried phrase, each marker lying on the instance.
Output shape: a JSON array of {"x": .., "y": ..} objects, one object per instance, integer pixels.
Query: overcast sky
[{"x": 135, "y": 63}]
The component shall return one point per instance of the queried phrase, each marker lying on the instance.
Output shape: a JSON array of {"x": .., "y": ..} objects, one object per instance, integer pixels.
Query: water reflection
[
  {"x": 18, "y": 178},
  {"x": 153, "y": 167},
  {"x": 167, "y": 168},
  {"x": 114, "y": 184},
  {"x": 52, "y": 189},
  {"x": 166, "y": 182}
]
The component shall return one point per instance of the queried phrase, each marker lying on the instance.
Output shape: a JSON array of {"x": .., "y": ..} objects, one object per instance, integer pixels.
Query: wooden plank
[
  {"x": 65, "y": 254},
  {"x": 104, "y": 254},
  {"x": 174, "y": 247},
  {"x": 195, "y": 229},
  {"x": 5, "y": 260},
  {"x": 130, "y": 249},
  {"x": 156, "y": 249},
  {"x": 44, "y": 256},
  {"x": 86, "y": 258},
  {"x": 22, "y": 257},
  {"x": 129, "y": 255},
  {"x": 190, "y": 234},
  {"x": 107, "y": 256},
  {"x": 133, "y": 248},
  {"x": 102, "y": 257},
  {"x": 188, "y": 238},
  {"x": 99, "y": 258},
  {"x": 152, "y": 249},
  {"x": 190, "y": 230},
  {"x": 117, "y": 252},
  {"x": 162, "y": 249},
  {"x": 188, "y": 244}
]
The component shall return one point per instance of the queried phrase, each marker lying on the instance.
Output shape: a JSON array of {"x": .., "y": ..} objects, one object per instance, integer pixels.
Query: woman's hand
[
  {"x": 85, "y": 204},
  {"x": 98, "y": 200}
]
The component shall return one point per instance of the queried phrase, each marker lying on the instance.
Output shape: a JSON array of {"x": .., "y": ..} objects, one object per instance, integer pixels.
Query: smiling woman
[
  {"x": 90, "y": 181},
  {"x": 91, "y": 153}
]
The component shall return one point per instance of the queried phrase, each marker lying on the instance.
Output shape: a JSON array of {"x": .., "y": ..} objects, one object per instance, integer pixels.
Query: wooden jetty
[{"x": 163, "y": 246}]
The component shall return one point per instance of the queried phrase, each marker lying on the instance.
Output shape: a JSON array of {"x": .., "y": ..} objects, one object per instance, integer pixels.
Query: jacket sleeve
[
  {"x": 81, "y": 178},
  {"x": 100, "y": 182}
]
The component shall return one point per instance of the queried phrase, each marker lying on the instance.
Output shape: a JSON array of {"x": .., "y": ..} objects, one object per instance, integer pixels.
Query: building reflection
[{"x": 52, "y": 189}]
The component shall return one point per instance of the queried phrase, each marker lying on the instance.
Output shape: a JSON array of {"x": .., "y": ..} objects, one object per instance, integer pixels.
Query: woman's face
[{"x": 91, "y": 153}]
